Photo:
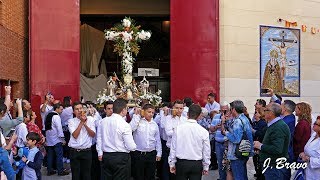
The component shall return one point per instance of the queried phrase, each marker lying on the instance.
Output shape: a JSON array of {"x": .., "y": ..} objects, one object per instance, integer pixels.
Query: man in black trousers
[
  {"x": 190, "y": 148},
  {"x": 114, "y": 143}
]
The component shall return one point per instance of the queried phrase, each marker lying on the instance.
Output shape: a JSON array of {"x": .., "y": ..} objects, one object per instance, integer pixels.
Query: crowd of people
[{"x": 179, "y": 140}]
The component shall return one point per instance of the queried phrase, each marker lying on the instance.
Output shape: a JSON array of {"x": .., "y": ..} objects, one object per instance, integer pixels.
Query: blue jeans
[
  {"x": 277, "y": 174},
  {"x": 58, "y": 151},
  {"x": 239, "y": 169},
  {"x": 219, "y": 148}
]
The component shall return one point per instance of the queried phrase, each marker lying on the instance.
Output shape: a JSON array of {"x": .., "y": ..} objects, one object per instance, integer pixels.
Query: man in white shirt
[
  {"x": 147, "y": 138},
  {"x": 114, "y": 142},
  {"x": 55, "y": 140},
  {"x": 82, "y": 130},
  {"x": 45, "y": 108},
  {"x": 171, "y": 122},
  {"x": 190, "y": 148},
  {"x": 212, "y": 105}
]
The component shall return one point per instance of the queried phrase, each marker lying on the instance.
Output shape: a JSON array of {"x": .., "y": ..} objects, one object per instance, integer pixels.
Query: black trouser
[
  {"x": 214, "y": 162},
  {"x": 116, "y": 166},
  {"x": 258, "y": 167},
  {"x": 80, "y": 161},
  {"x": 66, "y": 149},
  {"x": 144, "y": 165},
  {"x": 96, "y": 165},
  {"x": 188, "y": 169}
]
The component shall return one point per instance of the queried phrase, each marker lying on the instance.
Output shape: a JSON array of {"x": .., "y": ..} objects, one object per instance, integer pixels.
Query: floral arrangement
[
  {"x": 126, "y": 36},
  {"x": 103, "y": 97},
  {"x": 154, "y": 99}
]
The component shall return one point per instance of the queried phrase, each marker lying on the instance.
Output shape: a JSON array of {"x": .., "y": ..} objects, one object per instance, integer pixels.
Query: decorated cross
[{"x": 126, "y": 36}]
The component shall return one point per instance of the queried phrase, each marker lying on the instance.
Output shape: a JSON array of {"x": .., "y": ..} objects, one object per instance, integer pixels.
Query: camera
[{"x": 264, "y": 90}]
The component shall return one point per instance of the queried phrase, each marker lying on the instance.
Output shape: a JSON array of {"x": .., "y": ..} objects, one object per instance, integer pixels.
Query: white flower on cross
[{"x": 126, "y": 36}]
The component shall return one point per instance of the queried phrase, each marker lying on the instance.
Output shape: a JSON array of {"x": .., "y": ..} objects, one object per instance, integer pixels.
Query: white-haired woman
[{"x": 311, "y": 153}]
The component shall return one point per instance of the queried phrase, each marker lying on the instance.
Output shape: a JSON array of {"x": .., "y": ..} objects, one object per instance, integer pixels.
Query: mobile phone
[
  {"x": 10, "y": 133},
  {"x": 224, "y": 112},
  {"x": 264, "y": 90},
  {"x": 9, "y": 82}
]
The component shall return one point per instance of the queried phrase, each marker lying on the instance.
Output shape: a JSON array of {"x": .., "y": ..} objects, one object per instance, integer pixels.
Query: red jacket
[{"x": 302, "y": 134}]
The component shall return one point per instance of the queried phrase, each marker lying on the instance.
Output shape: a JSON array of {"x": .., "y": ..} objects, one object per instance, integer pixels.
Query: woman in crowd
[
  {"x": 259, "y": 128},
  {"x": 302, "y": 131},
  {"x": 33, "y": 127},
  {"x": 311, "y": 153}
]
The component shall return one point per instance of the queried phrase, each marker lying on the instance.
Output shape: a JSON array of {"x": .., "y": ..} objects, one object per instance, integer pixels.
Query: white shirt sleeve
[
  {"x": 99, "y": 140},
  {"x": 57, "y": 124},
  {"x": 158, "y": 143},
  {"x": 206, "y": 152},
  {"x": 3, "y": 140},
  {"x": 172, "y": 159},
  {"x": 169, "y": 126},
  {"x": 71, "y": 126},
  {"x": 134, "y": 123},
  {"x": 128, "y": 138}
]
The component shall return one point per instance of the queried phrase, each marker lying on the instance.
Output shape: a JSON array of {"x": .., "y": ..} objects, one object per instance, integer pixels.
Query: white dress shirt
[
  {"x": 212, "y": 107},
  {"x": 312, "y": 149},
  {"x": 21, "y": 131},
  {"x": 190, "y": 141},
  {"x": 114, "y": 135},
  {"x": 55, "y": 135},
  {"x": 83, "y": 141},
  {"x": 185, "y": 111},
  {"x": 44, "y": 114},
  {"x": 97, "y": 120},
  {"x": 171, "y": 124},
  {"x": 146, "y": 135},
  {"x": 160, "y": 120},
  {"x": 66, "y": 114}
]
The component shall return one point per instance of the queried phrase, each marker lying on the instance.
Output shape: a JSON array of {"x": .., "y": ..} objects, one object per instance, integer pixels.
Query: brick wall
[{"x": 14, "y": 45}]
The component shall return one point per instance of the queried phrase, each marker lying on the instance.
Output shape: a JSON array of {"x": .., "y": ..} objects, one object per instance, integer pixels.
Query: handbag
[{"x": 243, "y": 148}]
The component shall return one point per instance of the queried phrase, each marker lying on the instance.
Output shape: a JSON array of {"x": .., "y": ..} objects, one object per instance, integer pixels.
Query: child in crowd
[{"x": 32, "y": 170}]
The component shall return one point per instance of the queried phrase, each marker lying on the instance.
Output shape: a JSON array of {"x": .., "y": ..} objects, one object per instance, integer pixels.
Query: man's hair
[
  {"x": 279, "y": 97},
  {"x": 105, "y": 104},
  {"x": 26, "y": 113},
  {"x": 3, "y": 108},
  {"x": 76, "y": 103},
  {"x": 212, "y": 95},
  {"x": 67, "y": 101},
  {"x": 194, "y": 111},
  {"x": 56, "y": 106},
  {"x": 33, "y": 136},
  {"x": 262, "y": 102},
  {"x": 188, "y": 101},
  {"x": 238, "y": 106},
  {"x": 225, "y": 103},
  {"x": 289, "y": 105},
  {"x": 119, "y": 105},
  {"x": 276, "y": 109},
  {"x": 2, "y": 100},
  {"x": 147, "y": 106},
  {"x": 178, "y": 101}
]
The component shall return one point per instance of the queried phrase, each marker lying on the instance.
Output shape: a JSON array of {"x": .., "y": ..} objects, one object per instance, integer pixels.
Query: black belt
[
  {"x": 80, "y": 150},
  {"x": 144, "y": 153},
  {"x": 188, "y": 160}
]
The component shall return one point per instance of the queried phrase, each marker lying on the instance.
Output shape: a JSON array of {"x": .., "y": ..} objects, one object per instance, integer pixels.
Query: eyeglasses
[{"x": 267, "y": 110}]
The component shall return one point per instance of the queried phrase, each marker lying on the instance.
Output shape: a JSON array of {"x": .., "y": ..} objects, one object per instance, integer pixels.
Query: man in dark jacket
[{"x": 275, "y": 143}]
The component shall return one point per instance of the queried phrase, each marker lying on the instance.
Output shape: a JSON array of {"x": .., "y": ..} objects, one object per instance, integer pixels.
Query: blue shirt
[
  {"x": 273, "y": 121},
  {"x": 234, "y": 134},
  {"x": 215, "y": 121}
]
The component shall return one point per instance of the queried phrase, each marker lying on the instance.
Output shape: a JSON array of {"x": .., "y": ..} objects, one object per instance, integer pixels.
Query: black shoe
[
  {"x": 51, "y": 173},
  {"x": 63, "y": 173}
]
